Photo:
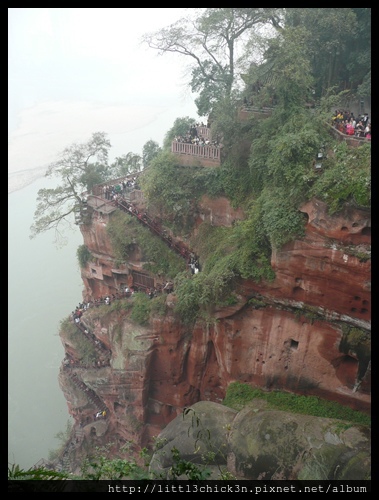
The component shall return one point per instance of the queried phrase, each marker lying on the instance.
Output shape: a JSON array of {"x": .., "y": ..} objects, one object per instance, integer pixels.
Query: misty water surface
[{"x": 44, "y": 286}]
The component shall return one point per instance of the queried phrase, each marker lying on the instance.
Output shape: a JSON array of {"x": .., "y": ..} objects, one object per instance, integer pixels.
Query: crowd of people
[
  {"x": 125, "y": 292},
  {"x": 346, "y": 123},
  {"x": 192, "y": 137},
  {"x": 111, "y": 192}
]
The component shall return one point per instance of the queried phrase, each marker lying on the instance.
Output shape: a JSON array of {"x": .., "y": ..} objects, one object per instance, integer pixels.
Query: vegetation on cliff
[
  {"x": 125, "y": 234},
  {"x": 270, "y": 183},
  {"x": 293, "y": 57},
  {"x": 239, "y": 395},
  {"x": 266, "y": 170}
]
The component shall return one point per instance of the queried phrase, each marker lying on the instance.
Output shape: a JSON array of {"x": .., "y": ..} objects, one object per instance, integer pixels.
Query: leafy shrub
[
  {"x": 158, "y": 305},
  {"x": 83, "y": 255},
  {"x": 348, "y": 178},
  {"x": 141, "y": 309},
  {"x": 84, "y": 347},
  {"x": 125, "y": 233},
  {"x": 120, "y": 305},
  {"x": 282, "y": 221},
  {"x": 187, "y": 305}
]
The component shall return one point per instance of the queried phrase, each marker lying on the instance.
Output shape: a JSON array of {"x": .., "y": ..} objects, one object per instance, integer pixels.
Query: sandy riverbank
[{"x": 22, "y": 178}]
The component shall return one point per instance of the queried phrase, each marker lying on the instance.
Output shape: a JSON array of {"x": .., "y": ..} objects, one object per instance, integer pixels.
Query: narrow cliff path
[
  {"x": 122, "y": 202},
  {"x": 90, "y": 393},
  {"x": 155, "y": 227},
  {"x": 100, "y": 347}
]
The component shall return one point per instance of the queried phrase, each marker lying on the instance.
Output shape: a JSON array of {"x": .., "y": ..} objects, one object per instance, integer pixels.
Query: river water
[{"x": 44, "y": 286}]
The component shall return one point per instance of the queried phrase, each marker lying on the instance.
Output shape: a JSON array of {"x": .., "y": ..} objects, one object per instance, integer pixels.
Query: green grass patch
[{"x": 239, "y": 395}]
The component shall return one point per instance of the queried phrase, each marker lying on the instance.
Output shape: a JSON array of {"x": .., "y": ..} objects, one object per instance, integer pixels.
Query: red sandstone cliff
[{"x": 294, "y": 333}]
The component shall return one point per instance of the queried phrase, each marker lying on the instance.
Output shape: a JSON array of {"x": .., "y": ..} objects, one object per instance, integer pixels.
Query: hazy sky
[{"x": 76, "y": 71}]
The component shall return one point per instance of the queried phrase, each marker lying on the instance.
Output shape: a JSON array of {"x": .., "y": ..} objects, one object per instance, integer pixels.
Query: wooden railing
[
  {"x": 204, "y": 132},
  {"x": 98, "y": 188},
  {"x": 208, "y": 152}
]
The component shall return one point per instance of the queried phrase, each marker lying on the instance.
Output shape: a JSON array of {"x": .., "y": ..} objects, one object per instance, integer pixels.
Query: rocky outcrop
[
  {"x": 307, "y": 332},
  {"x": 260, "y": 444}
]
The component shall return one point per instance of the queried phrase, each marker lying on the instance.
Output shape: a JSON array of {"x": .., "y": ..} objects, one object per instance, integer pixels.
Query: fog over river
[
  {"x": 71, "y": 72},
  {"x": 44, "y": 285}
]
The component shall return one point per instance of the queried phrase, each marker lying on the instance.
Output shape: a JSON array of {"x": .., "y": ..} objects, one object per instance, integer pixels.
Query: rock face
[
  {"x": 307, "y": 332},
  {"x": 264, "y": 444}
]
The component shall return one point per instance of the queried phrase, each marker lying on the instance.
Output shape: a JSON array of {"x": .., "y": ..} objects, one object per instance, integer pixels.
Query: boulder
[{"x": 257, "y": 443}]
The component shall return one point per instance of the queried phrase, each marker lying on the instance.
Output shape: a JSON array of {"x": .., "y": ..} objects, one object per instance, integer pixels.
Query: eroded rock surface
[
  {"x": 257, "y": 443},
  {"x": 308, "y": 332}
]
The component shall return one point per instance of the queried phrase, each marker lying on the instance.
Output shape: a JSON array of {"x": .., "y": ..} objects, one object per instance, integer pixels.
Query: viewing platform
[
  {"x": 351, "y": 140},
  {"x": 196, "y": 155}
]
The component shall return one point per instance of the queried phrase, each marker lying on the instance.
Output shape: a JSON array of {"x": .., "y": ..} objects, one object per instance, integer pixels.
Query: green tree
[
  {"x": 210, "y": 42},
  {"x": 150, "y": 150},
  {"x": 172, "y": 192},
  {"x": 333, "y": 43},
  {"x": 181, "y": 126},
  {"x": 124, "y": 165},
  {"x": 225, "y": 124},
  {"x": 80, "y": 167},
  {"x": 336, "y": 43},
  {"x": 359, "y": 55},
  {"x": 287, "y": 74}
]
